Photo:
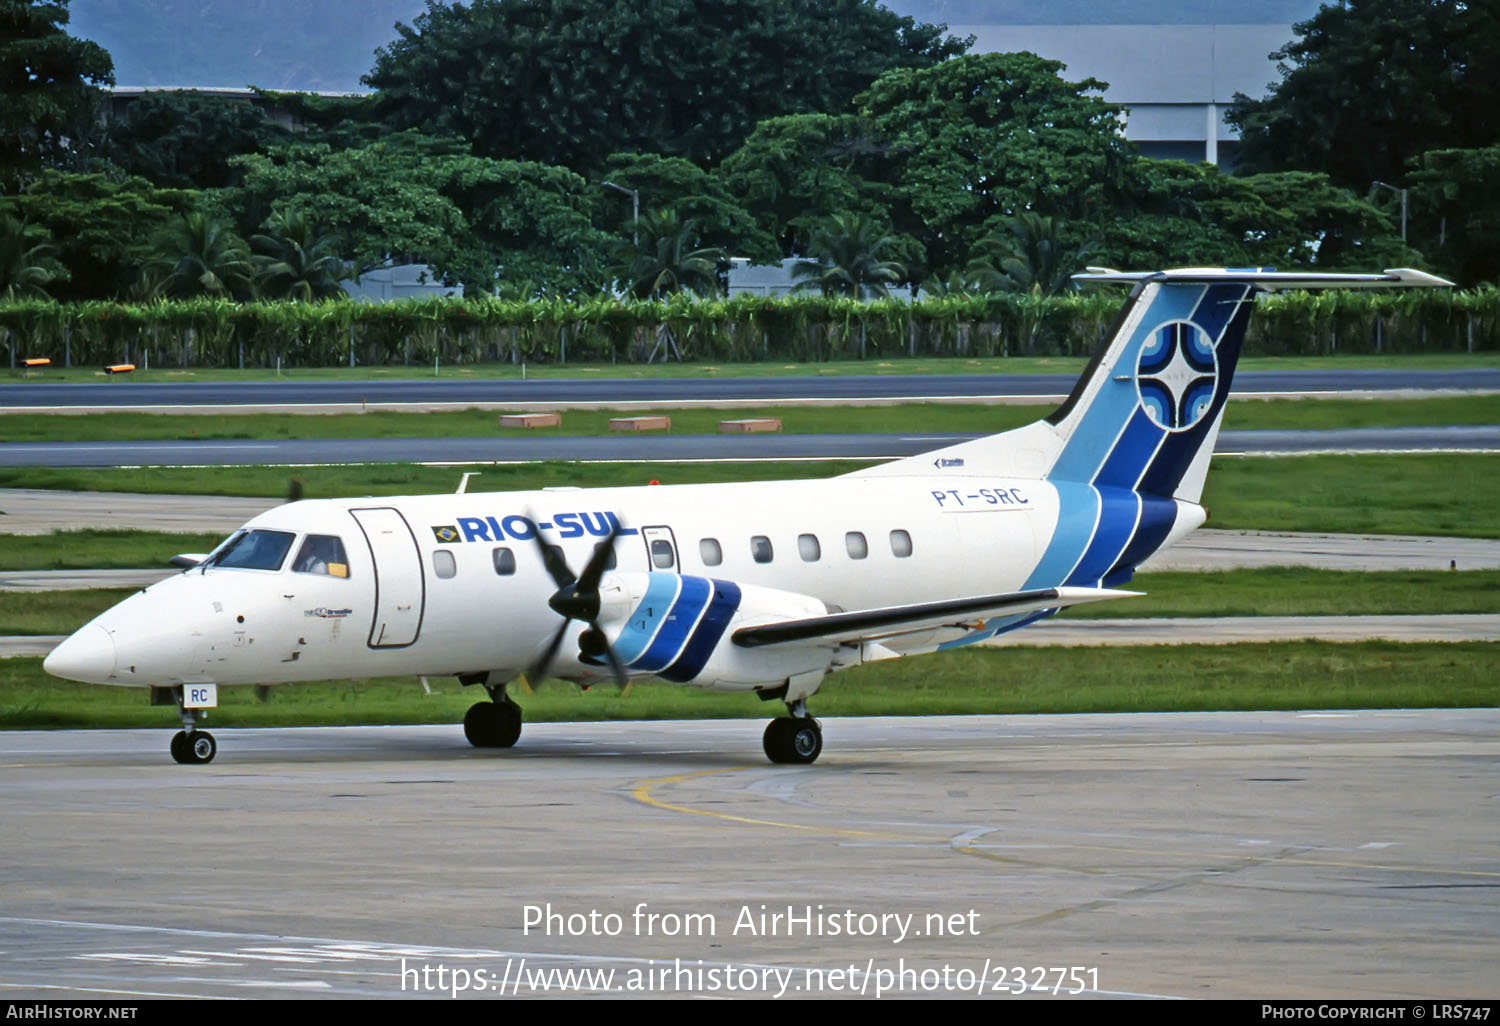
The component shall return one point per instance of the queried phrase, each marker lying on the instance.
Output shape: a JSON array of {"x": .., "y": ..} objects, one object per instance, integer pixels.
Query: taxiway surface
[{"x": 1233, "y": 855}]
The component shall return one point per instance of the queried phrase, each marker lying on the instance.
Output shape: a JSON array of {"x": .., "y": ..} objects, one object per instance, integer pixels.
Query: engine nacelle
[{"x": 678, "y": 627}]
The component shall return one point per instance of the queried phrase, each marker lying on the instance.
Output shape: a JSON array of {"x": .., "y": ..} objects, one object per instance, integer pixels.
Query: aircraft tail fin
[{"x": 1145, "y": 414}]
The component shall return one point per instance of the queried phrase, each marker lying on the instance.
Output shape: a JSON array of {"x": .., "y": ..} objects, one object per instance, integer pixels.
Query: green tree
[
  {"x": 101, "y": 228},
  {"x": 665, "y": 256},
  {"x": 671, "y": 182},
  {"x": 202, "y": 256},
  {"x": 294, "y": 261},
  {"x": 797, "y": 171},
  {"x": 24, "y": 261},
  {"x": 570, "y": 82},
  {"x": 1456, "y": 212},
  {"x": 1029, "y": 255},
  {"x": 847, "y": 252},
  {"x": 413, "y": 199},
  {"x": 49, "y": 91},
  {"x": 1370, "y": 84},
  {"x": 185, "y": 140},
  {"x": 982, "y": 138}
]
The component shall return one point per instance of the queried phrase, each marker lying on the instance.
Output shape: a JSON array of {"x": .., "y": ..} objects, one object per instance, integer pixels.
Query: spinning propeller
[{"x": 577, "y": 598}]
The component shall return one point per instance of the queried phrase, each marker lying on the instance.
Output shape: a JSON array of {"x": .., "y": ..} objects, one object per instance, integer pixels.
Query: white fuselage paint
[{"x": 256, "y": 626}]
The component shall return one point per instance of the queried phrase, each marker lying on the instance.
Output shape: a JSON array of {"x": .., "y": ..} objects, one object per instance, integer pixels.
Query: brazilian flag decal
[{"x": 445, "y": 534}]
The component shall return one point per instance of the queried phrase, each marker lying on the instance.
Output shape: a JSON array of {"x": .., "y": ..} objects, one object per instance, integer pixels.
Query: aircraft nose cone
[{"x": 89, "y": 655}]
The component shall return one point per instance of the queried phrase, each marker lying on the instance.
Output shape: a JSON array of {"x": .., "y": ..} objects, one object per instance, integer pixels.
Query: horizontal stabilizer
[
  {"x": 1268, "y": 280},
  {"x": 888, "y": 621}
]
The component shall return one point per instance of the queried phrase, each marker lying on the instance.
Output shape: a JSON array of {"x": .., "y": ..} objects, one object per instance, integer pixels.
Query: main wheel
[
  {"x": 493, "y": 724},
  {"x": 793, "y": 740}
]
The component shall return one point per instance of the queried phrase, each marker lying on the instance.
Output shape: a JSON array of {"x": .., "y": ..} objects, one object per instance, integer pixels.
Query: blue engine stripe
[
  {"x": 677, "y": 626},
  {"x": 1117, "y": 520},
  {"x": 1078, "y": 515},
  {"x": 646, "y": 619},
  {"x": 721, "y": 609}
]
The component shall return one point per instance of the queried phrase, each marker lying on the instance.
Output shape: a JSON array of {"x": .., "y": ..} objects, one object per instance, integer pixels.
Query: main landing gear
[
  {"x": 797, "y": 739},
  {"x": 493, "y": 724}
]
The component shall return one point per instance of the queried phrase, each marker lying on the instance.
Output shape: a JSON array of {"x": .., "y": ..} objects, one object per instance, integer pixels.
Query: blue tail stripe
[
  {"x": 1156, "y": 520},
  {"x": 646, "y": 619},
  {"x": 1132, "y": 452},
  {"x": 721, "y": 609},
  {"x": 1117, "y": 520},
  {"x": 675, "y": 629},
  {"x": 1078, "y": 516}
]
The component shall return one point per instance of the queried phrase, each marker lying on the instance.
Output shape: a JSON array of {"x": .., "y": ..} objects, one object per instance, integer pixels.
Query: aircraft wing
[{"x": 889, "y": 621}]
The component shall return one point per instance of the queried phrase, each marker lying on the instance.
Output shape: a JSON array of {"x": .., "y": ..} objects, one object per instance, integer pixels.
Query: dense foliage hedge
[{"x": 220, "y": 333}]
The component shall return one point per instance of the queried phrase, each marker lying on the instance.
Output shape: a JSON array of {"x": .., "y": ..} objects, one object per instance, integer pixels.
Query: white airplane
[{"x": 764, "y": 587}]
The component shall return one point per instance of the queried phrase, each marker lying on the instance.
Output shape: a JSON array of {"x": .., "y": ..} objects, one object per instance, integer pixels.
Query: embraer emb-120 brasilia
[{"x": 764, "y": 587}]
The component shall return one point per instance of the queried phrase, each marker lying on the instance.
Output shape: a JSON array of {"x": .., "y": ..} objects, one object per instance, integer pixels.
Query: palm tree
[
  {"x": 847, "y": 259},
  {"x": 1027, "y": 256},
  {"x": 202, "y": 256},
  {"x": 292, "y": 261},
  {"x": 662, "y": 258},
  {"x": 22, "y": 271}
]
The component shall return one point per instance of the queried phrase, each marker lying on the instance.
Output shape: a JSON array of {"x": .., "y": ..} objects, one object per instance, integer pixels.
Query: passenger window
[
  {"x": 662, "y": 556},
  {"x": 321, "y": 554},
  {"x": 443, "y": 564},
  {"x": 760, "y": 548},
  {"x": 900, "y": 544},
  {"x": 807, "y": 545},
  {"x": 505, "y": 562},
  {"x": 856, "y": 545},
  {"x": 710, "y": 551}
]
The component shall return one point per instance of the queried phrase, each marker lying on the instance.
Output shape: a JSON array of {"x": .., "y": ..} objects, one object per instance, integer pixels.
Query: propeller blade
[
  {"x": 599, "y": 561},
  {"x": 538, "y": 671},
  {"x": 622, "y": 677},
  {"x": 552, "y": 557}
]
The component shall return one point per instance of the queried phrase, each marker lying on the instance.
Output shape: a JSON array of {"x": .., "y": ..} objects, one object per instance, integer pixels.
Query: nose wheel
[
  {"x": 797, "y": 739},
  {"x": 199, "y": 746}
]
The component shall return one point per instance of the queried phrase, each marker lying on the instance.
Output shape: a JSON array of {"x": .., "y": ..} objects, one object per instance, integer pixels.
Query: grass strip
[
  {"x": 1300, "y": 675},
  {"x": 945, "y": 418}
]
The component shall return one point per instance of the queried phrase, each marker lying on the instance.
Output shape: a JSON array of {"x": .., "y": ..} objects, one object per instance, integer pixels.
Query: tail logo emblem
[{"x": 1176, "y": 374}]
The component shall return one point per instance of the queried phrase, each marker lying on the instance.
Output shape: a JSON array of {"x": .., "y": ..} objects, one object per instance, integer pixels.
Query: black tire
[
  {"x": 179, "y": 746},
  {"x": 794, "y": 741},
  {"x": 493, "y": 724},
  {"x": 199, "y": 747}
]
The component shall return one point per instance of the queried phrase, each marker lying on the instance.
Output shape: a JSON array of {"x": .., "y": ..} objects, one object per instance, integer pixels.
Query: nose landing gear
[
  {"x": 189, "y": 745},
  {"x": 796, "y": 739}
]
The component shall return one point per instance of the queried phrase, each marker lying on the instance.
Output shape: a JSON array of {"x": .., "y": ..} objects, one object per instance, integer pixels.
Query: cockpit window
[
  {"x": 254, "y": 550},
  {"x": 322, "y": 554}
]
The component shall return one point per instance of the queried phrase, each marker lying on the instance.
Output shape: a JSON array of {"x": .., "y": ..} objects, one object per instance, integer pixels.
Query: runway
[
  {"x": 667, "y": 392},
  {"x": 666, "y": 448},
  {"x": 1243, "y": 855}
]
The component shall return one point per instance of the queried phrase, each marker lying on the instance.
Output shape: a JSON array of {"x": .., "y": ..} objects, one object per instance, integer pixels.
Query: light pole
[
  {"x": 1402, "y": 193},
  {"x": 635, "y": 208}
]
